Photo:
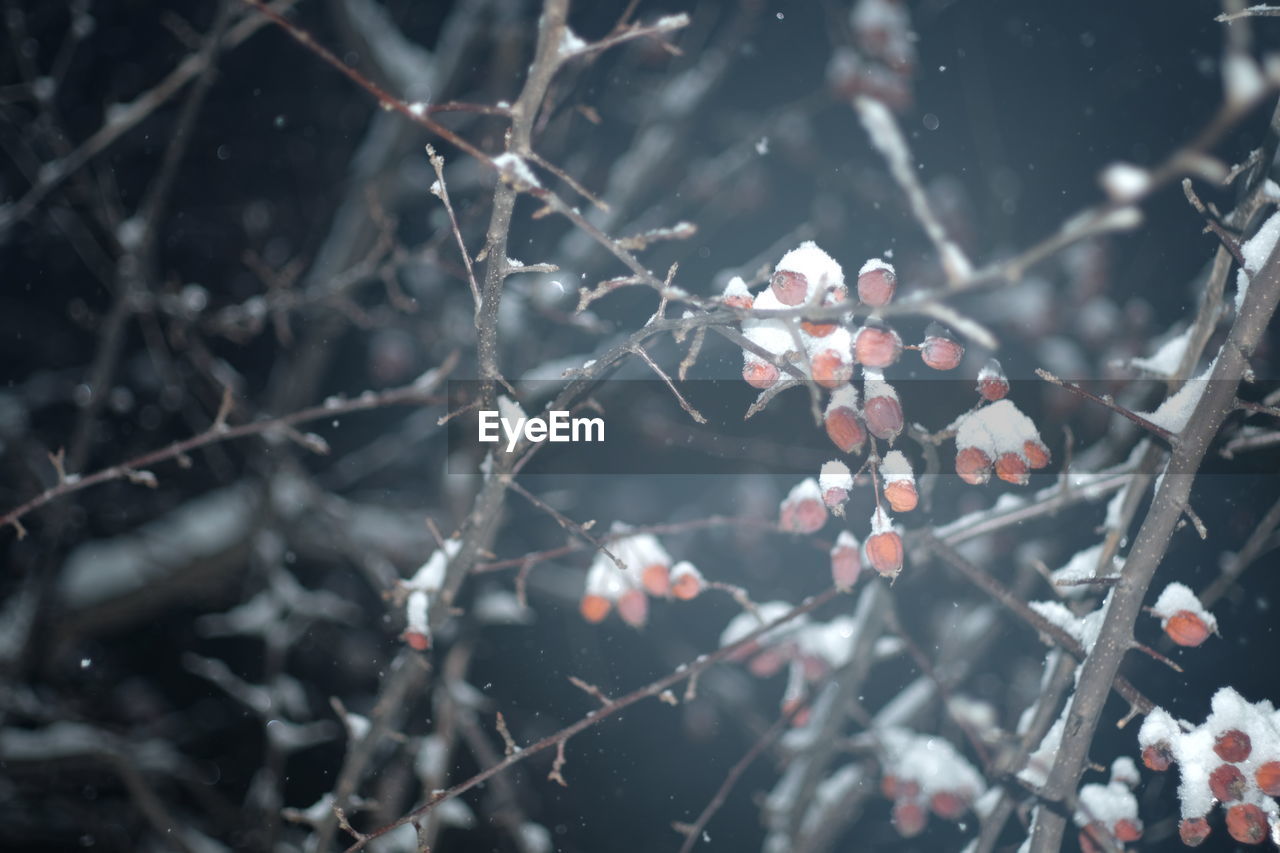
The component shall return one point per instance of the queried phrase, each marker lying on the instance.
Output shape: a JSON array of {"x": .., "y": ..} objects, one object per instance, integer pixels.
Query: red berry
[
  {"x": 1247, "y": 823},
  {"x": 973, "y": 465},
  {"x": 817, "y": 330},
  {"x": 1127, "y": 830},
  {"x": 759, "y": 374},
  {"x": 1037, "y": 454},
  {"x": 876, "y": 285},
  {"x": 1268, "y": 778},
  {"x": 884, "y": 417},
  {"x": 908, "y": 818},
  {"x": 846, "y": 565},
  {"x": 739, "y": 300},
  {"x": 830, "y": 369},
  {"x": 656, "y": 579},
  {"x": 844, "y": 430},
  {"x": 884, "y": 553},
  {"x": 876, "y": 346},
  {"x": 1012, "y": 468},
  {"x": 633, "y": 607},
  {"x": 803, "y": 516},
  {"x": 992, "y": 383},
  {"x": 594, "y": 608},
  {"x": 902, "y": 495},
  {"x": 789, "y": 286},
  {"x": 686, "y": 586},
  {"x": 1233, "y": 745},
  {"x": 1157, "y": 757},
  {"x": 1193, "y": 831},
  {"x": 948, "y": 805},
  {"x": 939, "y": 350},
  {"x": 1227, "y": 783},
  {"x": 417, "y": 640},
  {"x": 1186, "y": 629}
]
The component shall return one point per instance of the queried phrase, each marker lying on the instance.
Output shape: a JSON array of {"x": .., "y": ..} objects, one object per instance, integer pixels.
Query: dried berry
[
  {"x": 1193, "y": 831},
  {"x": 876, "y": 283},
  {"x": 882, "y": 411},
  {"x": 1186, "y": 629},
  {"x": 884, "y": 553},
  {"x": 908, "y": 818},
  {"x": 1012, "y": 468},
  {"x": 846, "y": 565},
  {"x": 830, "y": 368},
  {"x": 1268, "y": 778},
  {"x": 940, "y": 350},
  {"x": 1227, "y": 783},
  {"x": 1247, "y": 823},
  {"x": 973, "y": 466},
  {"x": 759, "y": 374},
  {"x": 594, "y": 608},
  {"x": 1233, "y": 745},
  {"x": 790, "y": 287},
  {"x": 1157, "y": 756},
  {"x": 992, "y": 383},
  {"x": 876, "y": 346}
]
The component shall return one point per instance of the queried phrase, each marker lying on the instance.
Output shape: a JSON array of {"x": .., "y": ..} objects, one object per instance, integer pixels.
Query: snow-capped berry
[
  {"x": 417, "y": 640},
  {"x": 760, "y": 374},
  {"x": 884, "y": 546},
  {"x": 899, "y": 482},
  {"x": 1127, "y": 829},
  {"x": 605, "y": 583},
  {"x": 1233, "y": 745},
  {"x": 841, "y": 420},
  {"x": 790, "y": 287},
  {"x": 1036, "y": 453},
  {"x": 845, "y": 562},
  {"x": 876, "y": 283},
  {"x": 909, "y": 818},
  {"x": 1186, "y": 629},
  {"x": 656, "y": 579},
  {"x": 1227, "y": 783},
  {"x": 736, "y": 294},
  {"x": 992, "y": 383},
  {"x": 633, "y": 607},
  {"x": 594, "y": 608},
  {"x": 1247, "y": 823},
  {"x": 686, "y": 581},
  {"x": 1268, "y": 778},
  {"x": 1012, "y": 468},
  {"x": 835, "y": 482},
  {"x": 831, "y": 368},
  {"x": 876, "y": 345},
  {"x": 973, "y": 466},
  {"x": 1157, "y": 756},
  {"x": 948, "y": 805},
  {"x": 940, "y": 350},
  {"x": 803, "y": 511},
  {"x": 881, "y": 411},
  {"x": 1193, "y": 831}
]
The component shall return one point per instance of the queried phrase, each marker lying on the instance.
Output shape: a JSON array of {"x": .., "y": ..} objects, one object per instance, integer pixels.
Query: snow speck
[
  {"x": 762, "y": 146},
  {"x": 1125, "y": 182},
  {"x": 513, "y": 166}
]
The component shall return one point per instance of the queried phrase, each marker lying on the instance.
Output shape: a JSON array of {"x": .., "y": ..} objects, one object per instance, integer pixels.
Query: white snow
[
  {"x": 1256, "y": 250},
  {"x": 881, "y": 522},
  {"x": 844, "y": 397},
  {"x": 998, "y": 428},
  {"x": 1125, "y": 182},
  {"x": 1177, "y": 597},
  {"x": 1242, "y": 78},
  {"x": 874, "y": 264},
  {"x": 415, "y": 612},
  {"x": 1107, "y": 804},
  {"x": 895, "y": 467},
  {"x": 636, "y": 551},
  {"x": 736, "y": 287},
  {"x": 514, "y": 166},
  {"x": 748, "y": 621},
  {"x": 819, "y": 269},
  {"x": 835, "y": 475},
  {"x": 806, "y": 490},
  {"x": 1165, "y": 360},
  {"x": 931, "y": 762},
  {"x": 570, "y": 43},
  {"x": 1176, "y": 411}
]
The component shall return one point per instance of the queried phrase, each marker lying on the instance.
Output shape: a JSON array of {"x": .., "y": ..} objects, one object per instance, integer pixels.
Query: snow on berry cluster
[
  {"x": 1232, "y": 758},
  {"x": 419, "y": 591},
  {"x": 1109, "y": 811},
  {"x": 922, "y": 774},
  {"x": 646, "y": 570}
]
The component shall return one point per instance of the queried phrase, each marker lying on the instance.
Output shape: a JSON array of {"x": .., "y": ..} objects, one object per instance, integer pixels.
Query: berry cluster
[
  {"x": 419, "y": 590},
  {"x": 922, "y": 774},
  {"x": 646, "y": 570},
  {"x": 1233, "y": 758},
  {"x": 1109, "y": 811}
]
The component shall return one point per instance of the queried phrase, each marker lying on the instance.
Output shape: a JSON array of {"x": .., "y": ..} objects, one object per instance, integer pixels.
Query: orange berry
[
  {"x": 973, "y": 465},
  {"x": 1193, "y": 831},
  {"x": 1012, "y": 468},
  {"x": 830, "y": 369},
  {"x": 767, "y": 663},
  {"x": 686, "y": 582},
  {"x": 817, "y": 330},
  {"x": 417, "y": 640},
  {"x": 656, "y": 579},
  {"x": 876, "y": 286},
  {"x": 789, "y": 286},
  {"x": 739, "y": 300},
  {"x": 1233, "y": 745},
  {"x": 844, "y": 429},
  {"x": 1186, "y": 628},
  {"x": 594, "y": 608},
  {"x": 1037, "y": 454},
  {"x": 876, "y": 346},
  {"x": 803, "y": 516},
  {"x": 759, "y": 374},
  {"x": 909, "y": 818},
  {"x": 633, "y": 607},
  {"x": 884, "y": 417},
  {"x": 1227, "y": 783},
  {"x": 992, "y": 383},
  {"x": 885, "y": 552},
  {"x": 948, "y": 805},
  {"x": 1247, "y": 823},
  {"x": 901, "y": 495},
  {"x": 889, "y": 786},
  {"x": 1268, "y": 778},
  {"x": 1157, "y": 756},
  {"x": 1127, "y": 830}
]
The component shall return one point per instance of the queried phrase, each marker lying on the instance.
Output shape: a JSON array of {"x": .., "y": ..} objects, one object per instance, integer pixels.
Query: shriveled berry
[
  {"x": 884, "y": 553},
  {"x": 1186, "y": 629},
  {"x": 973, "y": 465},
  {"x": 902, "y": 495},
  {"x": 1012, "y": 468},
  {"x": 1247, "y": 823},
  {"x": 884, "y": 417},
  {"x": 1233, "y": 745},
  {"x": 1227, "y": 783},
  {"x": 760, "y": 374},
  {"x": 876, "y": 285},
  {"x": 791, "y": 287},
  {"x": 1157, "y": 756},
  {"x": 876, "y": 346},
  {"x": 1193, "y": 831},
  {"x": 909, "y": 818},
  {"x": 831, "y": 369},
  {"x": 594, "y": 608},
  {"x": 1037, "y": 454},
  {"x": 1268, "y": 778},
  {"x": 845, "y": 430},
  {"x": 1127, "y": 829},
  {"x": 948, "y": 805}
]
